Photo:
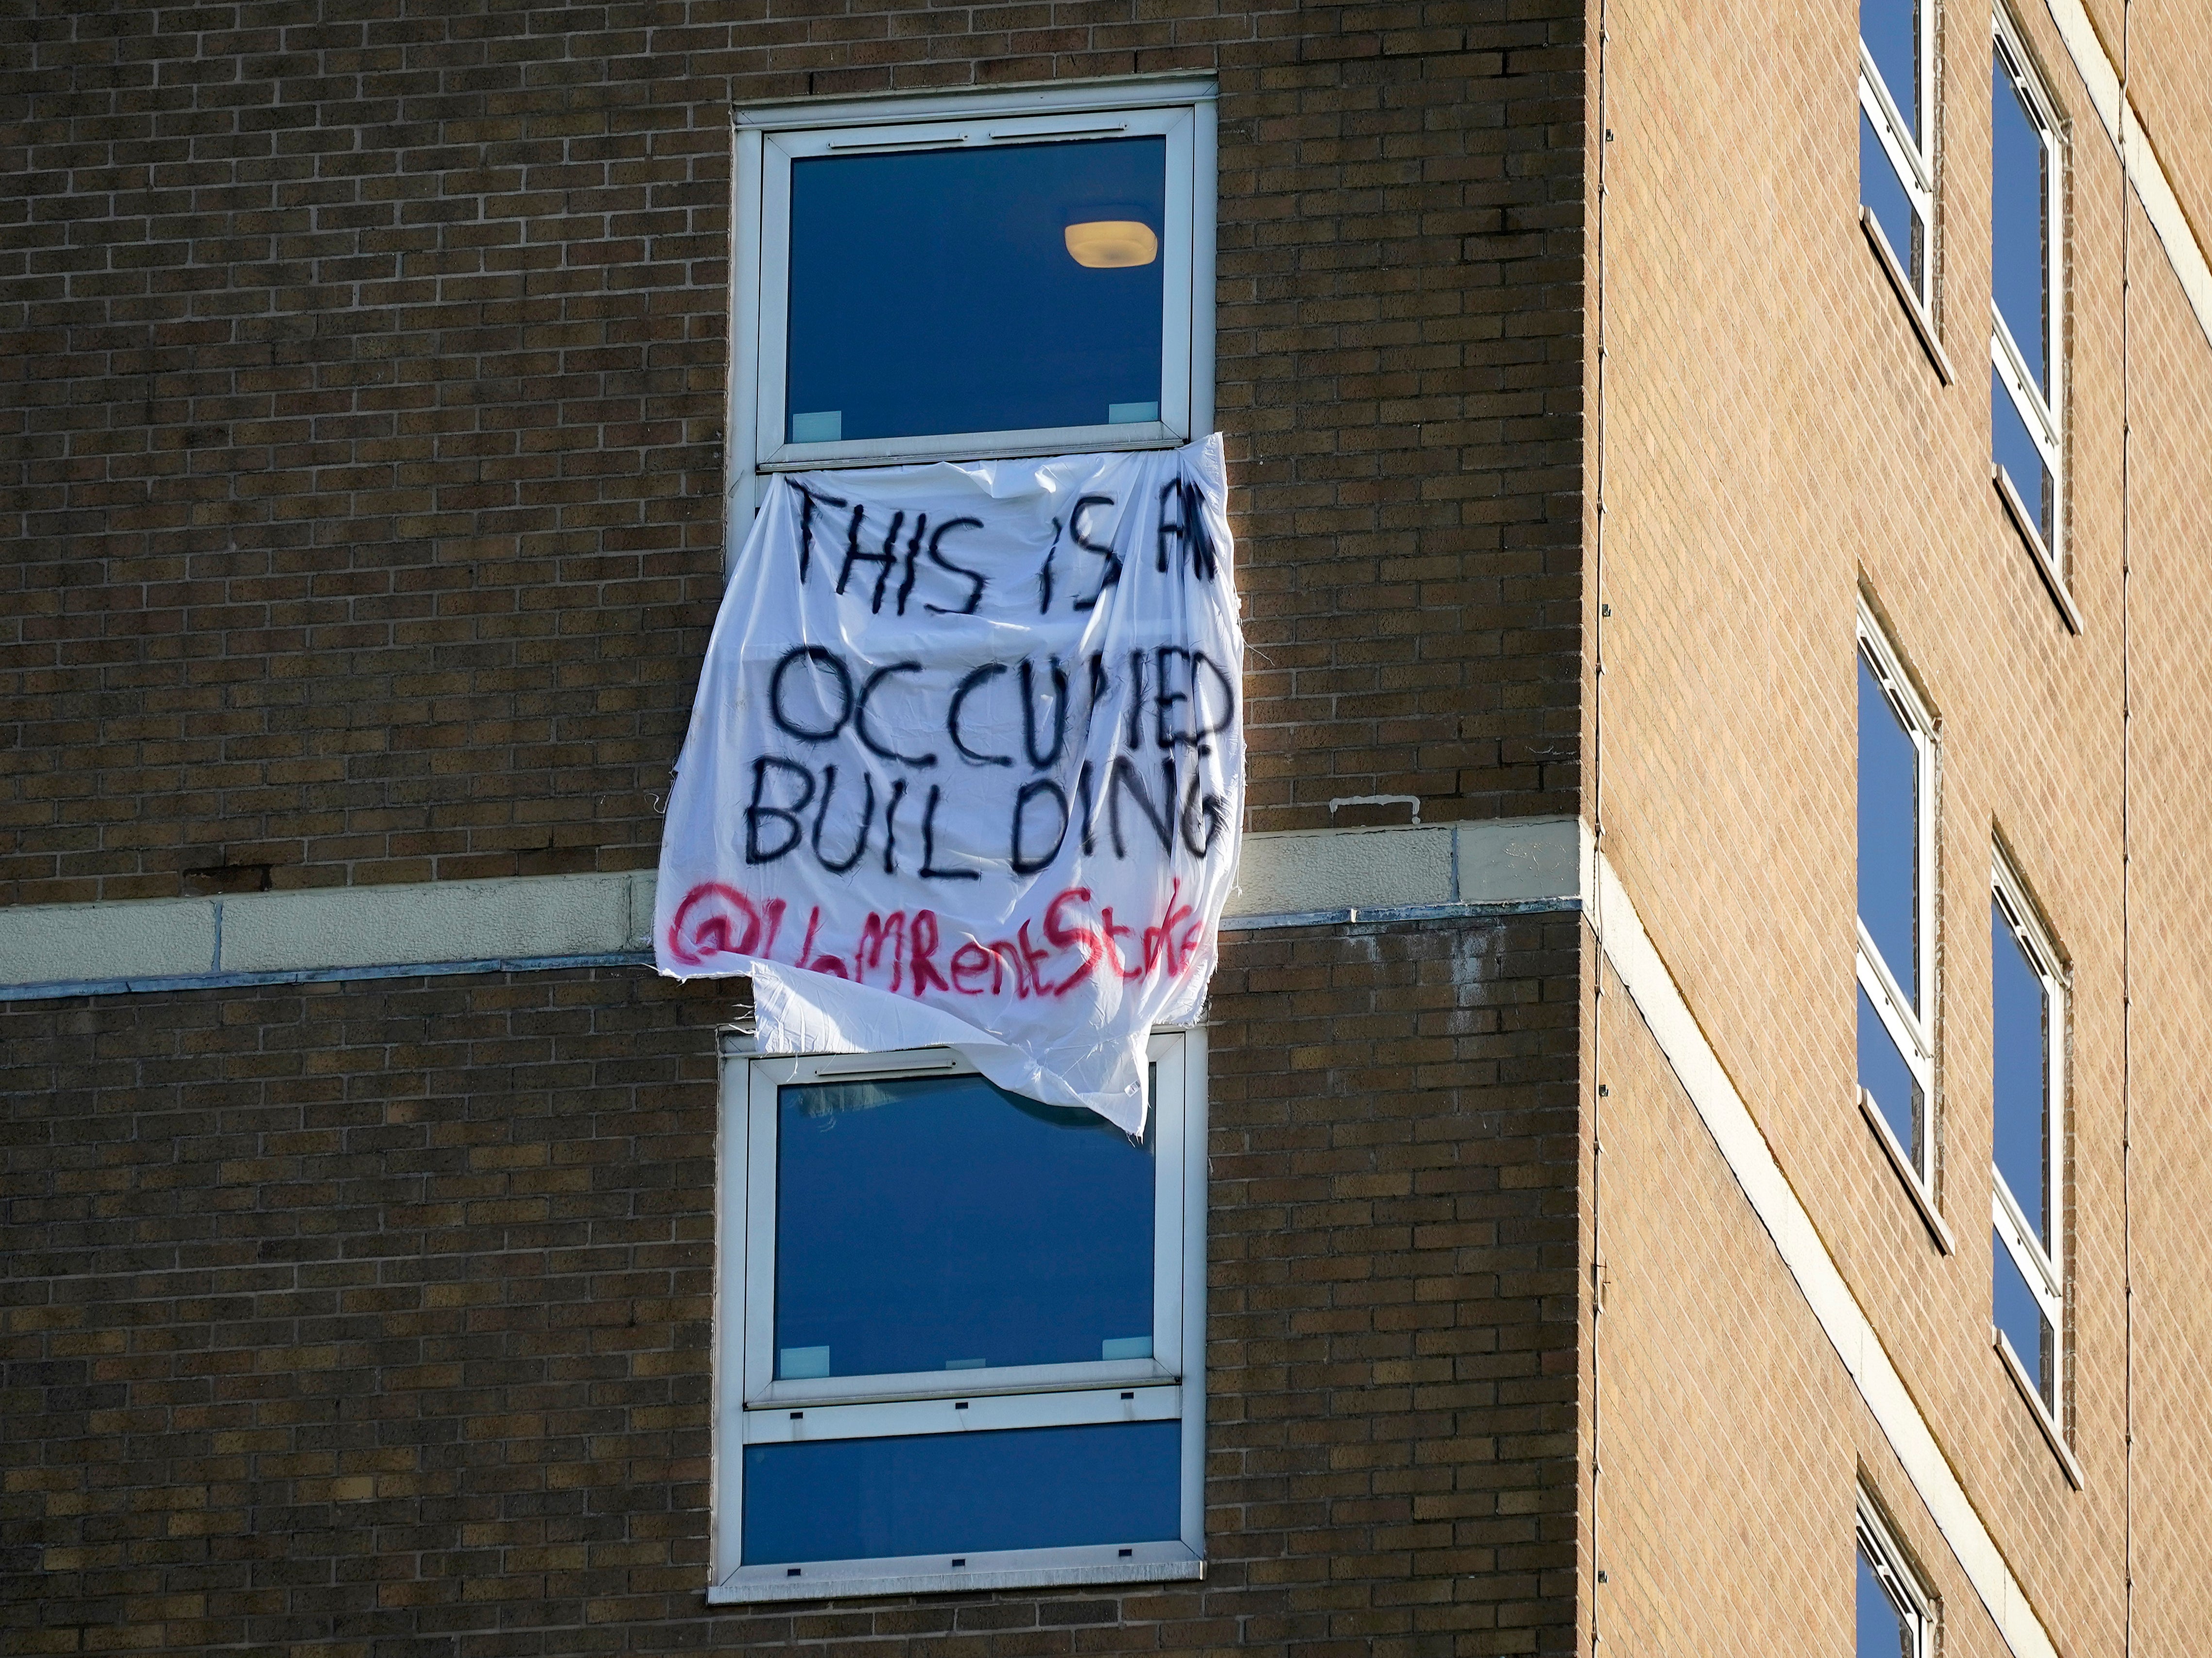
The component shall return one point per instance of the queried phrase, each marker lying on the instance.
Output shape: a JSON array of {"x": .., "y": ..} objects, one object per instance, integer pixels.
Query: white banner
[{"x": 967, "y": 766}]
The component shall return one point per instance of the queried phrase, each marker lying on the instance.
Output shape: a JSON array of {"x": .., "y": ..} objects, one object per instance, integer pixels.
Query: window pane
[
  {"x": 1883, "y": 194},
  {"x": 1024, "y": 1488},
  {"x": 1889, "y": 841},
  {"x": 2014, "y": 450},
  {"x": 1891, "y": 30},
  {"x": 937, "y": 291},
  {"x": 2021, "y": 1044},
  {"x": 1883, "y": 1630},
  {"x": 2019, "y": 198},
  {"x": 2020, "y": 1316},
  {"x": 940, "y": 1223},
  {"x": 1884, "y": 1074}
]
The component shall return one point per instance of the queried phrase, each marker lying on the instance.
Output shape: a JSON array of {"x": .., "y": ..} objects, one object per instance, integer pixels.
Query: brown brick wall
[
  {"x": 364, "y": 371},
  {"x": 374, "y": 1317}
]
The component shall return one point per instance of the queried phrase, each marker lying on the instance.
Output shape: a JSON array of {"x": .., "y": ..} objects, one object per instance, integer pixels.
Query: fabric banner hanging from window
[{"x": 967, "y": 766}]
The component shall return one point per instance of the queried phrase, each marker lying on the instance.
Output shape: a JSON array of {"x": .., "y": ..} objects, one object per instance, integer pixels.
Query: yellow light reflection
[{"x": 1112, "y": 244}]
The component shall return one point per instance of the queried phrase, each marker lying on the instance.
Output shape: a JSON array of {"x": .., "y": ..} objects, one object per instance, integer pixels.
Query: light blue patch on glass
[
  {"x": 826, "y": 427},
  {"x": 1881, "y": 1631},
  {"x": 1126, "y": 1347},
  {"x": 1891, "y": 29},
  {"x": 1884, "y": 1074},
  {"x": 2021, "y": 1050},
  {"x": 1883, "y": 192},
  {"x": 803, "y": 1364},
  {"x": 2018, "y": 1314},
  {"x": 966, "y": 1363},
  {"x": 2020, "y": 231},
  {"x": 2016, "y": 450},
  {"x": 1125, "y": 414},
  {"x": 1889, "y": 835}
]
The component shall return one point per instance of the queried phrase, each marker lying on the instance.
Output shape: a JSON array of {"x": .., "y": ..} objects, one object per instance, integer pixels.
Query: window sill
[
  {"x": 2023, "y": 521},
  {"x": 971, "y": 446},
  {"x": 884, "y": 1577},
  {"x": 1902, "y": 285},
  {"x": 2034, "y": 1401},
  {"x": 1902, "y": 1165}
]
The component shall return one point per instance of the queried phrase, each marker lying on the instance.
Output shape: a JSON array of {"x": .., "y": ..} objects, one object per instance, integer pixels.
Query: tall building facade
[{"x": 1720, "y": 704}]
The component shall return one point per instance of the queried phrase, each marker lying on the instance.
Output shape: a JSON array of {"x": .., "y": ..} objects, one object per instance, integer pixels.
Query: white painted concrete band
[
  {"x": 1645, "y": 978},
  {"x": 2145, "y": 170},
  {"x": 325, "y": 927},
  {"x": 1317, "y": 875}
]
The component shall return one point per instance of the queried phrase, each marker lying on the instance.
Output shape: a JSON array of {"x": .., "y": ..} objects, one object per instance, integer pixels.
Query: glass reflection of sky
[
  {"x": 2016, "y": 222},
  {"x": 1891, "y": 29},
  {"x": 1889, "y": 848},
  {"x": 933, "y": 291},
  {"x": 2022, "y": 1051},
  {"x": 927, "y": 1223},
  {"x": 856, "y": 1499}
]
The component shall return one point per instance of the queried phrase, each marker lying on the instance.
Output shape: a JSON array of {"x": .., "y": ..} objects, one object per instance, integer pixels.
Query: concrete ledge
[
  {"x": 63, "y": 949},
  {"x": 1305, "y": 877},
  {"x": 1503, "y": 861},
  {"x": 446, "y": 920},
  {"x": 155, "y": 938},
  {"x": 2154, "y": 188}
]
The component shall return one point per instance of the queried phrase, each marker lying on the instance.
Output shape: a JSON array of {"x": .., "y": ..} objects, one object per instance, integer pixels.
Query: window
[
  {"x": 959, "y": 1334},
  {"x": 989, "y": 274},
  {"x": 1897, "y": 179},
  {"x": 1896, "y": 906},
  {"x": 1896, "y": 1616},
  {"x": 2027, "y": 1005},
  {"x": 2025, "y": 293}
]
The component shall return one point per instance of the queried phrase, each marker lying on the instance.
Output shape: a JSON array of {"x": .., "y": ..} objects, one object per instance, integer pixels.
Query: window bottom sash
[{"x": 934, "y": 1574}]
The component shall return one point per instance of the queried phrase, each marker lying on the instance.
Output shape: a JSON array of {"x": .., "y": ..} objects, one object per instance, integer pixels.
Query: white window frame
[
  {"x": 769, "y": 137},
  {"x": 1911, "y": 1025},
  {"x": 1914, "y": 1604},
  {"x": 1913, "y": 162},
  {"x": 2038, "y": 412},
  {"x": 753, "y": 1407},
  {"x": 2045, "y": 1272}
]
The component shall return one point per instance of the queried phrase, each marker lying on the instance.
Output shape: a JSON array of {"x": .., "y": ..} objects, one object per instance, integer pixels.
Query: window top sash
[{"x": 997, "y": 104}]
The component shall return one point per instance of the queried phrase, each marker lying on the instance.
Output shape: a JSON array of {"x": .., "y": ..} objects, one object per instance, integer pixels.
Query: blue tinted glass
[
  {"x": 2020, "y": 1316},
  {"x": 1884, "y": 1074},
  {"x": 1883, "y": 193},
  {"x": 939, "y": 1222},
  {"x": 1889, "y": 840},
  {"x": 954, "y": 1493},
  {"x": 2014, "y": 450},
  {"x": 1881, "y": 1628},
  {"x": 1891, "y": 30},
  {"x": 2018, "y": 230},
  {"x": 935, "y": 291},
  {"x": 2022, "y": 1045}
]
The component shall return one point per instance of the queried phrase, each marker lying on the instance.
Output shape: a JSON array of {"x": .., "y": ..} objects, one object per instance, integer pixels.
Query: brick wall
[
  {"x": 364, "y": 380},
  {"x": 2171, "y": 1076},
  {"x": 374, "y": 1317},
  {"x": 1734, "y": 1440},
  {"x": 1818, "y": 452}
]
